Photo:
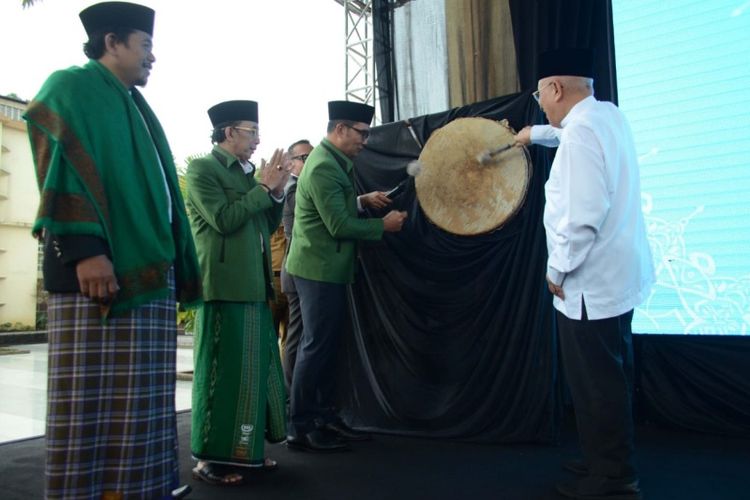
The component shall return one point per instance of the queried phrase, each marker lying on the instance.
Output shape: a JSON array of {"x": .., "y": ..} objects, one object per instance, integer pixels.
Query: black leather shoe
[
  {"x": 576, "y": 466},
  {"x": 346, "y": 433},
  {"x": 601, "y": 488},
  {"x": 182, "y": 491},
  {"x": 318, "y": 441}
]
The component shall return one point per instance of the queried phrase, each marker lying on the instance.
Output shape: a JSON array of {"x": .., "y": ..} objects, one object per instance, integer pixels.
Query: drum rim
[{"x": 519, "y": 203}]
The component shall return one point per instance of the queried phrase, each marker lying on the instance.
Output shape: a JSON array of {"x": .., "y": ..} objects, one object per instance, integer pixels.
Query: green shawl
[{"x": 99, "y": 175}]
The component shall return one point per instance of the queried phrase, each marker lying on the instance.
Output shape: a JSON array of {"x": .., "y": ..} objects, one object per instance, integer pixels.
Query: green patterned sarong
[{"x": 239, "y": 397}]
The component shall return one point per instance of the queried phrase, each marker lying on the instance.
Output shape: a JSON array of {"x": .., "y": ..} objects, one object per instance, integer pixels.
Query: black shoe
[
  {"x": 576, "y": 466},
  {"x": 346, "y": 433},
  {"x": 601, "y": 488},
  {"x": 317, "y": 441},
  {"x": 182, "y": 491}
]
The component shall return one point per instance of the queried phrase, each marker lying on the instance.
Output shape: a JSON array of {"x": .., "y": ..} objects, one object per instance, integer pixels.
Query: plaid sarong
[{"x": 111, "y": 422}]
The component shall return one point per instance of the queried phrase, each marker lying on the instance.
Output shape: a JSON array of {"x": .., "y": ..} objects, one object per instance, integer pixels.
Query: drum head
[{"x": 462, "y": 196}]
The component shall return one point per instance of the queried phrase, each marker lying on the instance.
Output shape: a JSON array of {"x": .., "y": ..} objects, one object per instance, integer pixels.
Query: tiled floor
[{"x": 23, "y": 390}]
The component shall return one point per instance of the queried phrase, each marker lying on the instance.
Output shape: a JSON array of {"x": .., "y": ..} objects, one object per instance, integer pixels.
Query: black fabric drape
[
  {"x": 701, "y": 383},
  {"x": 385, "y": 71},
  {"x": 453, "y": 336},
  {"x": 541, "y": 25}
]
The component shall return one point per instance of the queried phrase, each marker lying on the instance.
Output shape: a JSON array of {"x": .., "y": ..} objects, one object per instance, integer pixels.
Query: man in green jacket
[
  {"x": 321, "y": 260},
  {"x": 238, "y": 388}
]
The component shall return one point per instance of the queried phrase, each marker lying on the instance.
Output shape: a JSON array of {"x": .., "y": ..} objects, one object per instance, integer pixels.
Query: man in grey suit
[{"x": 297, "y": 154}]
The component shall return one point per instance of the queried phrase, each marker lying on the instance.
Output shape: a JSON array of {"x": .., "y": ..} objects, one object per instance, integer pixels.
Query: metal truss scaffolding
[{"x": 360, "y": 69}]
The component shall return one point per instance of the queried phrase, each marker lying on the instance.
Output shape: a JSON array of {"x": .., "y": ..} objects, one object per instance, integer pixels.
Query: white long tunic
[{"x": 596, "y": 235}]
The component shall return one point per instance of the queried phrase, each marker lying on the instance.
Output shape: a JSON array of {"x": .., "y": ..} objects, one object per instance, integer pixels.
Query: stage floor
[{"x": 673, "y": 465}]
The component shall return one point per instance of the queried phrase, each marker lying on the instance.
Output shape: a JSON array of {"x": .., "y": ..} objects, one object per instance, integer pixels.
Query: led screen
[{"x": 683, "y": 78}]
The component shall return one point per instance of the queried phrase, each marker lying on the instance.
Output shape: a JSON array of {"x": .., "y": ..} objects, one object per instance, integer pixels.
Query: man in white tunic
[{"x": 599, "y": 265}]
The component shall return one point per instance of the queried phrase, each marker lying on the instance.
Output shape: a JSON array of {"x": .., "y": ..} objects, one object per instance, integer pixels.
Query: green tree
[{"x": 185, "y": 317}]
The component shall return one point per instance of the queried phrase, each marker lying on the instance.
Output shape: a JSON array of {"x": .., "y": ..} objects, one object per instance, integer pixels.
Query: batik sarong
[
  {"x": 111, "y": 422},
  {"x": 239, "y": 397}
]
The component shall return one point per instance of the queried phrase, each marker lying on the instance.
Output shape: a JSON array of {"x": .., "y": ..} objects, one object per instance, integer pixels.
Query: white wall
[{"x": 19, "y": 198}]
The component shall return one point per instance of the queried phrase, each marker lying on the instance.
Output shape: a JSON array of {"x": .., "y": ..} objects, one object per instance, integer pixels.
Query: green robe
[
  {"x": 232, "y": 218},
  {"x": 239, "y": 397}
]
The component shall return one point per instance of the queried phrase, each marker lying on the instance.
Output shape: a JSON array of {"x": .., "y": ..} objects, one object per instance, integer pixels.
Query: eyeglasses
[
  {"x": 364, "y": 133},
  {"x": 536, "y": 93},
  {"x": 252, "y": 131},
  {"x": 301, "y": 158}
]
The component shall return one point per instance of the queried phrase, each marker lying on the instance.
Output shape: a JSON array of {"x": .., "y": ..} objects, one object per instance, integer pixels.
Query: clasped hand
[{"x": 275, "y": 173}]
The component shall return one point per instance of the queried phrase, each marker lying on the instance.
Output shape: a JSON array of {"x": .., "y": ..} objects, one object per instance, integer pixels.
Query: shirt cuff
[
  {"x": 555, "y": 276},
  {"x": 270, "y": 193},
  {"x": 279, "y": 199},
  {"x": 75, "y": 248},
  {"x": 545, "y": 135}
]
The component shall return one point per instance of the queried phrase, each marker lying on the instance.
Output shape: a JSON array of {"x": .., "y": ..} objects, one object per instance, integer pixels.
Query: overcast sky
[{"x": 287, "y": 55}]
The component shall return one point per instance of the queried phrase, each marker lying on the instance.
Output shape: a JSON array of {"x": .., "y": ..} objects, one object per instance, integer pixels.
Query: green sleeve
[
  {"x": 273, "y": 216},
  {"x": 328, "y": 192},
  {"x": 223, "y": 209}
]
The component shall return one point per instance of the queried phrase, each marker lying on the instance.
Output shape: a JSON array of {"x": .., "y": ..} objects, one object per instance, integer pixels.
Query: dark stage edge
[{"x": 673, "y": 465}]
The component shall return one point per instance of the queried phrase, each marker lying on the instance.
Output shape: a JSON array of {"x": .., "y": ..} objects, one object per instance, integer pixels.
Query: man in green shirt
[
  {"x": 321, "y": 260},
  {"x": 239, "y": 395}
]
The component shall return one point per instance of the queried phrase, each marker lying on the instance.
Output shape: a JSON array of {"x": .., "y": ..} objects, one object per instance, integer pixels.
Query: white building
[{"x": 19, "y": 198}]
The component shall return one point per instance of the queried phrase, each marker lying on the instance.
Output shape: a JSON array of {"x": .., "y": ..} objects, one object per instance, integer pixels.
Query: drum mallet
[{"x": 486, "y": 157}]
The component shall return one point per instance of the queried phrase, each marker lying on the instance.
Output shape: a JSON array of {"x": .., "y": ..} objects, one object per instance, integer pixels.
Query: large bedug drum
[{"x": 457, "y": 192}]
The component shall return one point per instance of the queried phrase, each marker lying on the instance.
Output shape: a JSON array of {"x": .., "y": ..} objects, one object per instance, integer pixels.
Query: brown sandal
[
  {"x": 216, "y": 474},
  {"x": 269, "y": 464}
]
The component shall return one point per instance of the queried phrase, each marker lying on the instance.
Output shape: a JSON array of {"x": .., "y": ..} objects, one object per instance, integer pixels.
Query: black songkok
[
  {"x": 566, "y": 62},
  {"x": 117, "y": 15},
  {"x": 351, "y": 111},
  {"x": 233, "y": 111}
]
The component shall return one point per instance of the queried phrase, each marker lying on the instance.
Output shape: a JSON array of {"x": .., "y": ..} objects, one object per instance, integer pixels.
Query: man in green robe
[
  {"x": 117, "y": 252},
  {"x": 321, "y": 261},
  {"x": 238, "y": 387}
]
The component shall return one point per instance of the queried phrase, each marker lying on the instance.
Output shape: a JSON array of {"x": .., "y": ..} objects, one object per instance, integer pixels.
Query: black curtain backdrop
[
  {"x": 541, "y": 25},
  {"x": 382, "y": 22},
  {"x": 452, "y": 336},
  {"x": 701, "y": 383}
]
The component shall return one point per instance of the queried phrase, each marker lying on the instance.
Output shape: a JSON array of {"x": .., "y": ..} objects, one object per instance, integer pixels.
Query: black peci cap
[
  {"x": 566, "y": 62},
  {"x": 351, "y": 111},
  {"x": 117, "y": 15},
  {"x": 233, "y": 111}
]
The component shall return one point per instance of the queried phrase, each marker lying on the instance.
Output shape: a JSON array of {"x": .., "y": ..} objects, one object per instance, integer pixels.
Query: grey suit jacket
[{"x": 287, "y": 220}]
